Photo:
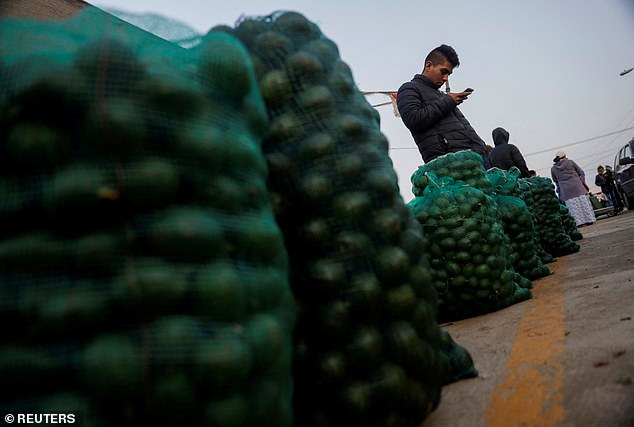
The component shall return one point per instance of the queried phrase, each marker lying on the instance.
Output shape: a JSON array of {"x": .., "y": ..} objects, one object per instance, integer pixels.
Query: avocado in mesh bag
[
  {"x": 518, "y": 226},
  {"x": 140, "y": 252},
  {"x": 466, "y": 166},
  {"x": 569, "y": 224},
  {"x": 521, "y": 191},
  {"x": 368, "y": 349},
  {"x": 517, "y": 222},
  {"x": 468, "y": 249},
  {"x": 541, "y": 198}
]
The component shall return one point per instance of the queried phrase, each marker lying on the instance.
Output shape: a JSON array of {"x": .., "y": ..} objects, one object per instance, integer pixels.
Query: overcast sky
[{"x": 547, "y": 71}]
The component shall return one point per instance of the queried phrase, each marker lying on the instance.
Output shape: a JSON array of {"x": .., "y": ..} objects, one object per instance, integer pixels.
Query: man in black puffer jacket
[
  {"x": 504, "y": 155},
  {"x": 436, "y": 124}
]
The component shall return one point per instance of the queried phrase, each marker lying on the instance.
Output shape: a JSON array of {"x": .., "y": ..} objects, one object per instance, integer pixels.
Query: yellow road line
[{"x": 531, "y": 393}]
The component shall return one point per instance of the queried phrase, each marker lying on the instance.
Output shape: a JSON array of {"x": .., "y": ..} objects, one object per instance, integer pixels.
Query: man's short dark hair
[{"x": 443, "y": 53}]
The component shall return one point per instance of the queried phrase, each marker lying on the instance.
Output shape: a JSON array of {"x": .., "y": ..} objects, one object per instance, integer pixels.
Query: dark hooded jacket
[
  {"x": 504, "y": 155},
  {"x": 436, "y": 124}
]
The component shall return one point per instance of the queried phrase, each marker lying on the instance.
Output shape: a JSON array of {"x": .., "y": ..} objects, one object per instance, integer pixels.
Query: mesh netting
[
  {"x": 144, "y": 274},
  {"x": 539, "y": 195},
  {"x": 368, "y": 348},
  {"x": 569, "y": 223},
  {"x": 468, "y": 248},
  {"x": 518, "y": 224},
  {"x": 465, "y": 166}
]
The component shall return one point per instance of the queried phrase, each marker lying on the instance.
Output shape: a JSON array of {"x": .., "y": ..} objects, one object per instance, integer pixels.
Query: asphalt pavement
[{"x": 563, "y": 358}]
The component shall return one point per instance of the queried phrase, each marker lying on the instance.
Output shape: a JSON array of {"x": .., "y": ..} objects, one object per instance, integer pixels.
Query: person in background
[
  {"x": 572, "y": 189},
  {"x": 432, "y": 117},
  {"x": 605, "y": 180},
  {"x": 504, "y": 156}
]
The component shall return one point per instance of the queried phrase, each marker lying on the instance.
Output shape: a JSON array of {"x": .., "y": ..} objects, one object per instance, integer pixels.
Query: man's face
[{"x": 439, "y": 73}]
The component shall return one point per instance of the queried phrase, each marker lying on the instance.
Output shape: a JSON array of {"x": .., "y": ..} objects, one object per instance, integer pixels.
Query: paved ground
[{"x": 565, "y": 357}]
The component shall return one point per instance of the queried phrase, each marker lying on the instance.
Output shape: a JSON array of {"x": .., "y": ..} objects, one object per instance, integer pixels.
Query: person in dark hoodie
[
  {"x": 572, "y": 189},
  {"x": 504, "y": 156},
  {"x": 432, "y": 117}
]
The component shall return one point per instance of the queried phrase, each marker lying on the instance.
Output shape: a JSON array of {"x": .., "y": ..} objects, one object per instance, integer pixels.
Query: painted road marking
[{"x": 531, "y": 393}]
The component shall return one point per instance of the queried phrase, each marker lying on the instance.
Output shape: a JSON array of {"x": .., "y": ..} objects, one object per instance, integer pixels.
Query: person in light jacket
[{"x": 572, "y": 189}]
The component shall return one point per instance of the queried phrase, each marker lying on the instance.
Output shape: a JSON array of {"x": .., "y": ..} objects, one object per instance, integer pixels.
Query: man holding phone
[{"x": 432, "y": 117}]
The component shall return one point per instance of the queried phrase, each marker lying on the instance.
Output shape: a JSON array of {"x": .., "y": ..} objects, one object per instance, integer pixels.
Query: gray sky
[{"x": 546, "y": 70}]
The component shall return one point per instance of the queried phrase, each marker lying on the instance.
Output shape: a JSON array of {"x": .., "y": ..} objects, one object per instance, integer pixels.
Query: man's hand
[{"x": 459, "y": 97}]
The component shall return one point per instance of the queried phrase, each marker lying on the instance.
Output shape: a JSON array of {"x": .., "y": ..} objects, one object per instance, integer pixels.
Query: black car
[{"x": 624, "y": 173}]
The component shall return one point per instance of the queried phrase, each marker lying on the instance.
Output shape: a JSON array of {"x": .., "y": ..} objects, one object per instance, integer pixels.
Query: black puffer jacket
[
  {"x": 437, "y": 125},
  {"x": 504, "y": 155}
]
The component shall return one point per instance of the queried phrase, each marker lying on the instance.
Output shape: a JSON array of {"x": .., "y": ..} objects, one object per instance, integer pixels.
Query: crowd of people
[{"x": 438, "y": 127}]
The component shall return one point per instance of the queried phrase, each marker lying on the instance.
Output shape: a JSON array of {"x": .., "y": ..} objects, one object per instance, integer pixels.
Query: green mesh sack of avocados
[
  {"x": 569, "y": 224},
  {"x": 539, "y": 195},
  {"x": 504, "y": 182},
  {"x": 466, "y": 166},
  {"x": 143, "y": 272},
  {"x": 526, "y": 195},
  {"x": 468, "y": 249},
  {"x": 368, "y": 349},
  {"x": 518, "y": 225}
]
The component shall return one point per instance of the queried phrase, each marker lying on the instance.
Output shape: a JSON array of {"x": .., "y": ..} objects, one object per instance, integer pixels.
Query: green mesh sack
[
  {"x": 468, "y": 249},
  {"x": 368, "y": 349},
  {"x": 569, "y": 224},
  {"x": 539, "y": 195},
  {"x": 143, "y": 271},
  {"x": 465, "y": 166},
  {"x": 518, "y": 226},
  {"x": 504, "y": 182},
  {"x": 527, "y": 197}
]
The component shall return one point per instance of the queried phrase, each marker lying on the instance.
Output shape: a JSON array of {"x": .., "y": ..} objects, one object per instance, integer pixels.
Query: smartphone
[{"x": 468, "y": 90}]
